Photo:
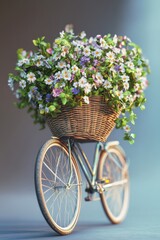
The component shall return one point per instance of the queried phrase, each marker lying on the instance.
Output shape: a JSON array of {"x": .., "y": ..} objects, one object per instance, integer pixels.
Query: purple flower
[
  {"x": 84, "y": 60},
  {"x": 75, "y": 91},
  {"x": 34, "y": 90},
  {"x": 98, "y": 36},
  {"x": 95, "y": 62},
  {"x": 52, "y": 77},
  {"x": 56, "y": 92},
  {"x": 38, "y": 96},
  {"x": 95, "y": 45},
  {"x": 117, "y": 68},
  {"x": 49, "y": 97},
  {"x": 72, "y": 77}
]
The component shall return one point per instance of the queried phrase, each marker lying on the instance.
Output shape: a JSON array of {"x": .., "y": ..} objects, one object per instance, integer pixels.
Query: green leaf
[
  {"x": 62, "y": 95},
  {"x": 142, "y": 107},
  {"x": 132, "y": 117},
  {"x": 64, "y": 101},
  {"x": 35, "y": 42},
  {"x": 19, "y": 53},
  {"x": 52, "y": 108},
  {"x": 42, "y": 111},
  {"x": 131, "y": 141},
  {"x": 133, "y": 135}
]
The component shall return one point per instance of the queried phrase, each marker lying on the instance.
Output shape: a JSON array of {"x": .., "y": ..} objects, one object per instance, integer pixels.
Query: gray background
[{"x": 24, "y": 20}]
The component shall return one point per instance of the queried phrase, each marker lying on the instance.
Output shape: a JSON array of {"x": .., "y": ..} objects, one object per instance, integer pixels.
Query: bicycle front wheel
[
  {"x": 58, "y": 186},
  {"x": 113, "y": 173}
]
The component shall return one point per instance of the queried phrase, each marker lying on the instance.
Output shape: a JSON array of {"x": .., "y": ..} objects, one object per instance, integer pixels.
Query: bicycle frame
[{"x": 89, "y": 172}]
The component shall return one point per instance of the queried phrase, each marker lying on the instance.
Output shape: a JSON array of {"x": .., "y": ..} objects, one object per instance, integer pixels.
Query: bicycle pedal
[
  {"x": 91, "y": 198},
  {"x": 88, "y": 198}
]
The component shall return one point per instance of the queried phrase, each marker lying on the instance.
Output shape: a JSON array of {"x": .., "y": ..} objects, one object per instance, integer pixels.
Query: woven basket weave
[{"x": 91, "y": 122}]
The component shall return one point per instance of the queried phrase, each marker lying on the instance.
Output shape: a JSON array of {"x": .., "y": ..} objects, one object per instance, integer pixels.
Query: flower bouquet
[{"x": 74, "y": 71}]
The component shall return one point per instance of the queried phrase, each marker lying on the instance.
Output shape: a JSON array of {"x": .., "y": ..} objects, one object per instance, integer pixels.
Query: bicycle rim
[
  {"x": 114, "y": 200},
  {"x": 58, "y": 186}
]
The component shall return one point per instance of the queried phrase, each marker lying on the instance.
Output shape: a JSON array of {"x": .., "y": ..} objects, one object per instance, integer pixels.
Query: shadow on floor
[{"x": 29, "y": 230}]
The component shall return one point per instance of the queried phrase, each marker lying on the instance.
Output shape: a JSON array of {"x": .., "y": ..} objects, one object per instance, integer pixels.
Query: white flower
[
  {"x": 138, "y": 72},
  {"x": 111, "y": 56},
  {"x": 130, "y": 64},
  {"x": 86, "y": 99},
  {"x": 115, "y": 39},
  {"x": 61, "y": 34},
  {"x": 126, "y": 85},
  {"x": 48, "y": 81},
  {"x": 82, "y": 81},
  {"x": 121, "y": 60},
  {"x": 62, "y": 85},
  {"x": 23, "y": 74},
  {"x": 11, "y": 83},
  {"x": 125, "y": 78},
  {"x": 130, "y": 98},
  {"x": 119, "y": 94},
  {"x": 74, "y": 69},
  {"x": 69, "y": 28},
  {"x": 41, "y": 106},
  {"x": 22, "y": 83},
  {"x": 31, "y": 77},
  {"x": 77, "y": 49},
  {"x": 82, "y": 35},
  {"x": 17, "y": 94},
  {"x": 75, "y": 84},
  {"x": 123, "y": 51},
  {"x": 87, "y": 88},
  {"x": 58, "y": 75},
  {"x": 39, "y": 63},
  {"x": 65, "y": 50},
  {"x": 127, "y": 128},
  {"x": 97, "y": 52},
  {"x": 112, "y": 69},
  {"x": 61, "y": 64},
  {"x": 91, "y": 40},
  {"x": 99, "y": 78},
  {"x": 24, "y": 53},
  {"x": 68, "y": 65},
  {"x": 23, "y": 61},
  {"x": 56, "y": 57},
  {"x": 20, "y": 63},
  {"x": 107, "y": 84},
  {"x": 136, "y": 87},
  {"x": 84, "y": 74},
  {"x": 144, "y": 83},
  {"x": 86, "y": 51},
  {"x": 103, "y": 43},
  {"x": 38, "y": 57},
  {"x": 122, "y": 70},
  {"x": 116, "y": 50},
  {"x": 66, "y": 74},
  {"x": 26, "y": 61}
]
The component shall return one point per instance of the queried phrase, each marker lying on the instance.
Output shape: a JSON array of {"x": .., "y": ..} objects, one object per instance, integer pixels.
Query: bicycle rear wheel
[
  {"x": 113, "y": 172},
  {"x": 58, "y": 186}
]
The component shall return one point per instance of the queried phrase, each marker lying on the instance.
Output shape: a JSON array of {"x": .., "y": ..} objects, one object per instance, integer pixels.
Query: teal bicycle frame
[{"x": 90, "y": 174}]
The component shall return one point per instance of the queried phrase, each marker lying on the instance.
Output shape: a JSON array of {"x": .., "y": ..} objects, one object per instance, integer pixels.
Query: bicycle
[{"x": 58, "y": 181}]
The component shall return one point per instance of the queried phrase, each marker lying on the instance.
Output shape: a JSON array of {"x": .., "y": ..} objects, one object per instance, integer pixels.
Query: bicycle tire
[
  {"x": 52, "y": 168},
  {"x": 105, "y": 171}
]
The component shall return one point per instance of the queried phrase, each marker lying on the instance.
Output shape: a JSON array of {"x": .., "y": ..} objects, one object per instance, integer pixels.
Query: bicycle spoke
[
  {"x": 47, "y": 179},
  {"x": 54, "y": 173}
]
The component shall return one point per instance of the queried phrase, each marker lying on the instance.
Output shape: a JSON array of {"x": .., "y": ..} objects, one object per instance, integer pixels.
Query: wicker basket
[{"x": 91, "y": 122}]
